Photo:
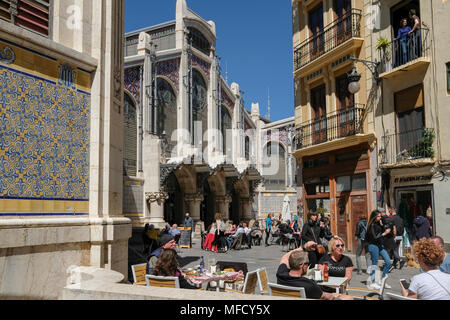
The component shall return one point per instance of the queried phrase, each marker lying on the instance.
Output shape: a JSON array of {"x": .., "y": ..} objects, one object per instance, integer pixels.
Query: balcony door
[
  {"x": 342, "y": 14},
  {"x": 317, "y": 46},
  {"x": 345, "y": 108},
  {"x": 319, "y": 114}
]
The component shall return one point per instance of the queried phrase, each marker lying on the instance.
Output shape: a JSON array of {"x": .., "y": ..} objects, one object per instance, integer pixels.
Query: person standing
[
  {"x": 415, "y": 33},
  {"x": 311, "y": 234},
  {"x": 360, "y": 234},
  {"x": 375, "y": 238},
  {"x": 189, "y": 223},
  {"x": 402, "y": 37},
  {"x": 421, "y": 228},
  {"x": 399, "y": 230},
  {"x": 268, "y": 228}
]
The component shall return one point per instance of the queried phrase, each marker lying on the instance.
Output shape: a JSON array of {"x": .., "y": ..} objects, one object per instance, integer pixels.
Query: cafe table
[
  {"x": 338, "y": 283},
  {"x": 205, "y": 279}
]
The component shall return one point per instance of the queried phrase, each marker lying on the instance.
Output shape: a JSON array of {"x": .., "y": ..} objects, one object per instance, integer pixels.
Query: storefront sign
[{"x": 412, "y": 179}]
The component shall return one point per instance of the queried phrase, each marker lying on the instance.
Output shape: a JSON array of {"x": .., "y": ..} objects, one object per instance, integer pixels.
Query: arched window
[
  {"x": 200, "y": 102},
  {"x": 167, "y": 112},
  {"x": 199, "y": 41},
  {"x": 225, "y": 126},
  {"x": 129, "y": 137},
  {"x": 274, "y": 179},
  {"x": 247, "y": 148}
]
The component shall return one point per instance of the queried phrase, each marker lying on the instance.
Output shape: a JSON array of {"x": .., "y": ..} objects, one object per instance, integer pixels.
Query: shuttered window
[{"x": 30, "y": 14}]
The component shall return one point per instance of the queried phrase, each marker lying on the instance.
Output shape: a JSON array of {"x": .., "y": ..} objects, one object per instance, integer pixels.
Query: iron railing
[
  {"x": 407, "y": 146},
  {"x": 336, "y": 33},
  {"x": 403, "y": 51},
  {"x": 334, "y": 126}
]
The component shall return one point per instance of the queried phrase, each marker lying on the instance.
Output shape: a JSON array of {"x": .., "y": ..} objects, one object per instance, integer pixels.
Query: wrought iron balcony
[
  {"x": 407, "y": 51},
  {"x": 408, "y": 146},
  {"x": 336, "y": 33},
  {"x": 336, "y": 125}
]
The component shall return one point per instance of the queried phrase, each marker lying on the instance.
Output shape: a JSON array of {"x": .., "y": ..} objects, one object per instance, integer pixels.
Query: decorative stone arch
[
  {"x": 187, "y": 179},
  {"x": 167, "y": 79},
  {"x": 203, "y": 74},
  {"x": 278, "y": 142},
  {"x": 132, "y": 97},
  {"x": 167, "y": 119},
  {"x": 282, "y": 174},
  {"x": 204, "y": 29}
]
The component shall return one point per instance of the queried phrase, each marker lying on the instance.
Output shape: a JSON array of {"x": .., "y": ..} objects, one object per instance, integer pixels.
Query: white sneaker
[
  {"x": 374, "y": 286},
  {"x": 386, "y": 285}
]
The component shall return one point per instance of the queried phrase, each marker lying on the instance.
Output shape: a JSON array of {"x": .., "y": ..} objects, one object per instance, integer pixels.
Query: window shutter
[
  {"x": 34, "y": 15},
  {"x": 4, "y": 10},
  {"x": 409, "y": 99}
]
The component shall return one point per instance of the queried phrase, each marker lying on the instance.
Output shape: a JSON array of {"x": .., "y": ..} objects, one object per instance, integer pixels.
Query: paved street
[{"x": 269, "y": 257}]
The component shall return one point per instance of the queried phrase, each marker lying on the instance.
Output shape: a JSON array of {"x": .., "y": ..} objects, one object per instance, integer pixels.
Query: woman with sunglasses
[{"x": 339, "y": 265}]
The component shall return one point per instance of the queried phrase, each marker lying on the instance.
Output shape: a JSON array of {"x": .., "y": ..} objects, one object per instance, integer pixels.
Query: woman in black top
[
  {"x": 311, "y": 234},
  {"x": 375, "y": 234}
]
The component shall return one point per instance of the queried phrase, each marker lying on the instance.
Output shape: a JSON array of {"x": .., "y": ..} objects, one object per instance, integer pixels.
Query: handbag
[{"x": 320, "y": 248}]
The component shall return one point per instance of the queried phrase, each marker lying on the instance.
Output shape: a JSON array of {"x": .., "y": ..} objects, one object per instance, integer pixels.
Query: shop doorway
[
  {"x": 413, "y": 201},
  {"x": 359, "y": 211},
  {"x": 343, "y": 216}
]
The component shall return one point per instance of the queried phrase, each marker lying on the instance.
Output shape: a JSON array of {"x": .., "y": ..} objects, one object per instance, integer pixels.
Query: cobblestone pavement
[{"x": 269, "y": 257}]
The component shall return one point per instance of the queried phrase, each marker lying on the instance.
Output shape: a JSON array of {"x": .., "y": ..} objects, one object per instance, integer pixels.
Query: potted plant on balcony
[{"x": 383, "y": 46}]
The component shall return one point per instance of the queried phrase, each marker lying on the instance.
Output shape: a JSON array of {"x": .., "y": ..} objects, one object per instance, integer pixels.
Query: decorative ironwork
[
  {"x": 336, "y": 33},
  {"x": 334, "y": 126}
]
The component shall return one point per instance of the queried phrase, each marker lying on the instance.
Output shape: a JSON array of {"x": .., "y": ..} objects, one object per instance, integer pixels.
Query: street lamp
[{"x": 354, "y": 77}]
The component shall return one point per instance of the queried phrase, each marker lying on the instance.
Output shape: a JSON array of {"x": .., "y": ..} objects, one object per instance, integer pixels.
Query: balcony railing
[
  {"x": 334, "y": 126},
  {"x": 408, "y": 146},
  {"x": 330, "y": 37},
  {"x": 403, "y": 51}
]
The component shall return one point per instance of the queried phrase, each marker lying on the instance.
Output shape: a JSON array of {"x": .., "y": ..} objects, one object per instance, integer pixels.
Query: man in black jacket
[
  {"x": 399, "y": 229},
  {"x": 360, "y": 234},
  {"x": 311, "y": 234}
]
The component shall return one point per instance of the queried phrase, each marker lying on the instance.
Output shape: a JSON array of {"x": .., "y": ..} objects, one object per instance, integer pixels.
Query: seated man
[
  {"x": 292, "y": 271},
  {"x": 165, "y": 242},
  {"x": 174, "y": 231},
  {"x": 445, "y": 266}
]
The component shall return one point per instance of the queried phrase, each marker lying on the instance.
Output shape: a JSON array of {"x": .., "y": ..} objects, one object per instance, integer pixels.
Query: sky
[{"x": 254, "y": 42}]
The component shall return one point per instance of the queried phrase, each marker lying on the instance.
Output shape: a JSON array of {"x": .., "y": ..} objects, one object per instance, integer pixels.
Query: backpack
[{"x": 362, "y": 234}]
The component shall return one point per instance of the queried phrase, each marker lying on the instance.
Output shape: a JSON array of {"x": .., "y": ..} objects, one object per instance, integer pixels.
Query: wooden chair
[
  {"x": 263, "y": 281},
  {"x": 164, "y": 282},
  {"x": 250, "y": 283},
  {"x": 398, "y": 297},
  {"x": 367, "y": 294},
  {"x": 277, "y": 290},
  {"x": 139, "y": 272}
]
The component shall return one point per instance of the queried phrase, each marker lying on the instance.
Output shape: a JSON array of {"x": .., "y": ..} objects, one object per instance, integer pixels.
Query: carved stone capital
[
  {"x": 198, "y": 197},
  {"x": 225, "y": 199},
  {"x": 159, "y": 197}
]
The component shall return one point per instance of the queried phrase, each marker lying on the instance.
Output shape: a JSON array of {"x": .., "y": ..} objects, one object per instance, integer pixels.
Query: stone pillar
[
  {"x": 223, "y": 205},
  {"x": 193, "y": 203},
  {"x": 246, "y": 208}
]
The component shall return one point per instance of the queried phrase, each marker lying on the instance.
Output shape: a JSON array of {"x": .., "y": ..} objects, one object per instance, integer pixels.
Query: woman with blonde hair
[
  {"x": 432, "y": 284},
  {"x": 339, "y": 265}
]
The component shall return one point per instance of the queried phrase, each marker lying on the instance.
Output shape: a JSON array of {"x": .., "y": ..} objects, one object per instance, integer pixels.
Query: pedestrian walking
[
  {"x": 360, "y": 234},
  {"x": 399, "y": 230},
  {"x": 268, "y": 228}
]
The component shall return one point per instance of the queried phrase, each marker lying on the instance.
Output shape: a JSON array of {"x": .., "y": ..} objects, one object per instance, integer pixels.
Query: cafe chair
[
  {"x": 277, "y": 290},
  {"x": 367, "y": 294},
  {"x": 230, "y": 266},
  {"x": 250, "y": 284},
  {"x": 163, "y": 282},
  {"x": 139, "y": 271},
  {"x": 263, "y": 281},
  {"x": 393, "y": 296}
]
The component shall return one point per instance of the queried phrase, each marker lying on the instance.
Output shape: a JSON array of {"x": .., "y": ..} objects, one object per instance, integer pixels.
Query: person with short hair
[
  {"x": 360, "y": 234},
  {"x": 339, "y": 264},
  {"x": 189, "y": 222},
  {"x": 174, "y": 230},
  {"x": 292, "y": 270},
  {"x": 399, "y": 229},
  {"x": 432, "y": 284}
]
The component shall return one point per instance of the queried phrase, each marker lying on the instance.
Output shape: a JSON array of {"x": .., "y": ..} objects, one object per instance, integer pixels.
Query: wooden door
[
  {"x": 342, "y": 14},
  {"x": 342, "y": 215},
  {"x": 317, "y": 44},
  {"x": 358, "y": 211},
  {"x": 318, "y": 114},
  {"x": 345, "y": 108}
]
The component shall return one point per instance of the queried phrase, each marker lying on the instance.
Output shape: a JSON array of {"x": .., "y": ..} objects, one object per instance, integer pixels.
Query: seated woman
[
  {"x": 432, "y": 284},
  {"x": 339, "y": 265},
  {"x": 167, "y": 266}
]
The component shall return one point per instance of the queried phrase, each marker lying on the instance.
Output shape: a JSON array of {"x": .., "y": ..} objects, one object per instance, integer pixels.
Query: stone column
[
  {"x": 193, "y": 203},
  {"x": 246, "y": 208},
  {"x": 223, "y": 205}
]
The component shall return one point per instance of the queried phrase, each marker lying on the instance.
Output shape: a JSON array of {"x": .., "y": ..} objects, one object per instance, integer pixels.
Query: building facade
[
  {"x": 335, "y": 134},
  {"x": 413, "y": 153},
  {"x": 61, "y": 100},
  {"x": 190, "y": 145}
]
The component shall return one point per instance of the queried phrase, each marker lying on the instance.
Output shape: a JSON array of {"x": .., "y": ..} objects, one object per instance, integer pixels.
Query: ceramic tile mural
[
  {"x": 132, "y": 80},
  {"x": 44, "y": 138}
]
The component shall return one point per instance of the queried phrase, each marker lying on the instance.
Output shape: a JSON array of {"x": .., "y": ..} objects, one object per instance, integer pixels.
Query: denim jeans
[
  {"x": 396, "y": 249},
  {"x": 375, "y": 252},
  {"x": 359, "y": 250},
  {"x": 403, "y": 52}
]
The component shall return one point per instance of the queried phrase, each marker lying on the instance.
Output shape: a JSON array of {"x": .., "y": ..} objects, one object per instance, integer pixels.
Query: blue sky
[{"x": 254, "y": 41}]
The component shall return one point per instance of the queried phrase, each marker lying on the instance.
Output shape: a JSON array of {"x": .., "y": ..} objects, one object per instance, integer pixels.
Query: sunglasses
[{"x": 340, "y": 246}]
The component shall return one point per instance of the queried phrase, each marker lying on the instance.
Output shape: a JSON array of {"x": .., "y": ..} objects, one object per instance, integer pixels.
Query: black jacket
[
  {"x": 375, "y": 234},
  {"x": 309, "y": 230},
  {"x": 360, "y": 227},
  {"x": 399, "y": 224}
]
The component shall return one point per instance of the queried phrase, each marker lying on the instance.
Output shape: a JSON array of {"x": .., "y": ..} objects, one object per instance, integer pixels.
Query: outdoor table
[
  {"x": 204, "y": 280},
  {"x": 335, "y": 282}
]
